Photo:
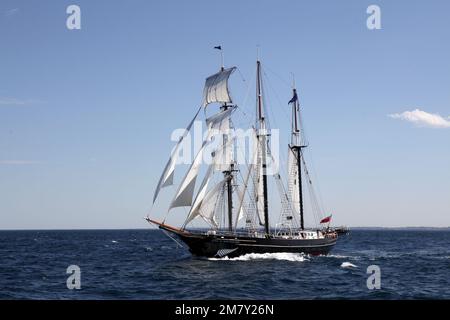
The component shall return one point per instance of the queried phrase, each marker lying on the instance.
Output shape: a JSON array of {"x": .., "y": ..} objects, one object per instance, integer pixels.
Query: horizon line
[{"x": 155, "y": 228}]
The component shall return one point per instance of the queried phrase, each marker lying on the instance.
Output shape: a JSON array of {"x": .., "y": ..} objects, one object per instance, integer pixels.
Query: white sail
[
  {"x": 166, "y": 178},
  {"x": 241, "y": 214},
  {"x": 216, "y": 88},
  {"x": 208, "y": 205},
  {"x": 185, "y": 192},
  {"x": 220, "y": 116},
  {"x": 293, "y": 181},
  {"x": 224, "y": 153},
  {"x": 195, "y": 209},
  {"x": 240, "y": 208},
  {"x": 259, "y": 186}
]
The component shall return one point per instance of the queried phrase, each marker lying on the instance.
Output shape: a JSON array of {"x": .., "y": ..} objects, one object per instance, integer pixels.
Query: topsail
[{"x": 216, "y": 88}]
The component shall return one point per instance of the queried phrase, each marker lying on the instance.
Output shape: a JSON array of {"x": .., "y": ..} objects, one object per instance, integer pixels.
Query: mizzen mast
[
  {"x": 296, "y": 147},
  {"x": 262, "y": 139}
]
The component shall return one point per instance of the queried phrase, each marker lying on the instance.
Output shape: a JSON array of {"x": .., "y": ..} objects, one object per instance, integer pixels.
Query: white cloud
[
  {"x": 11, "y": 12},
  {"x": 17, "y": 102},
  {"x": 17, "y": 162},
  {"x": 11, "y": 101},
  {"x": 423, "y": 119}
]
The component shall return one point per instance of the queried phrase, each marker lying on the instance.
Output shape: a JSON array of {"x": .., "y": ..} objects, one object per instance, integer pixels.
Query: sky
[{"x": 86, "y": 115}]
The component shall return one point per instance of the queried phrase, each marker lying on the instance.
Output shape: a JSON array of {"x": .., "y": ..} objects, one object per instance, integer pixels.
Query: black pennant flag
[{"x": 294, "y": 98}]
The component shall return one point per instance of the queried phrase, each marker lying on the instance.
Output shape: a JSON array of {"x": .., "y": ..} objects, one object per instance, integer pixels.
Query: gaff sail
[{"x": 293, "y": 181}]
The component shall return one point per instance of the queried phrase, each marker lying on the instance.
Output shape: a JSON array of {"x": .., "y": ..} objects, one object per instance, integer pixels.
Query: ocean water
[{"x": 145, "y": 264}]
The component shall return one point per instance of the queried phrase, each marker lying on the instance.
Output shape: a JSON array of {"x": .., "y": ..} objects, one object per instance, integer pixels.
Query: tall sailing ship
[{"x": 233, "y": 197}]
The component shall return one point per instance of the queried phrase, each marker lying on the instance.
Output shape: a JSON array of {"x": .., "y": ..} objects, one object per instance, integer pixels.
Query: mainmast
[
  {"x": 262, "y": 138},
  {"x": 296, "y": 147}
]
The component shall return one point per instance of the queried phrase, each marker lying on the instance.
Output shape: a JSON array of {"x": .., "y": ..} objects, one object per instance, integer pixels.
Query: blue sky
[{"x": 86, "y": 115}]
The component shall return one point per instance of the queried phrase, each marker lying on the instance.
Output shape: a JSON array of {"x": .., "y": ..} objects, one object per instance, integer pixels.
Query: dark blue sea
[{"x": 145, "y": 264}]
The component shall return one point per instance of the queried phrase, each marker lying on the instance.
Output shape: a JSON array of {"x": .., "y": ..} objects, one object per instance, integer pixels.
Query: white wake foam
[
  {"x": 347, "y": 264},
  {"x": 298, "y": 257}
]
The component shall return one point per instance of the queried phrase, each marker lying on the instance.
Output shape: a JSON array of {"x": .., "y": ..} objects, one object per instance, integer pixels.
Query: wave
[
  {"x": 296, "y": 257},
  {"x": 114, "y": 241},
  {"x": 338, "y": 256},
  {"x": 347, "y": 264}
]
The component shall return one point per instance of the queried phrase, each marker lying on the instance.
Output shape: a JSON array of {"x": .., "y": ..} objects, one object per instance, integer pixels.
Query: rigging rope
[{"x": 167, "y": 234}]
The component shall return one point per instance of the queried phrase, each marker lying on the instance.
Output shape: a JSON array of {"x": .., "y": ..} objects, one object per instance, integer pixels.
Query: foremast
[
  {"x": 228, "y": 177},
  {"x": 203, "y": 202},
  {"x": 228, "y": 174}
]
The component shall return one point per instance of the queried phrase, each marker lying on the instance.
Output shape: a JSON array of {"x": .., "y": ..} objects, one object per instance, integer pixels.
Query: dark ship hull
[{"x": 232, "y": 245}]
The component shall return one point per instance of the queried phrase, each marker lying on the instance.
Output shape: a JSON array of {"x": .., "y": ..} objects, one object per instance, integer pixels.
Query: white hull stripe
[{"x": 275, "y": 246}]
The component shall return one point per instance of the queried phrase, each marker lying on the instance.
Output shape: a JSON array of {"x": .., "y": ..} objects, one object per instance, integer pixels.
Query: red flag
[{"x": 326, "y": 219}]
